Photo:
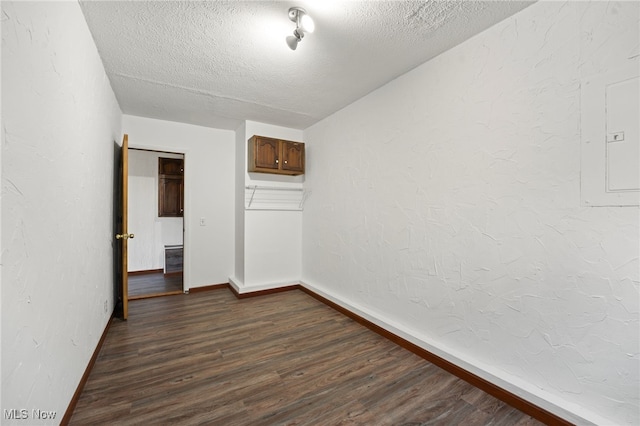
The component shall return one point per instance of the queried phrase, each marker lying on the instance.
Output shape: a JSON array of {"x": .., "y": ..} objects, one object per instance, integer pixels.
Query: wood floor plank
[
  {"x": 285, "y": 358},
  {"x": 153, "y": 283}
]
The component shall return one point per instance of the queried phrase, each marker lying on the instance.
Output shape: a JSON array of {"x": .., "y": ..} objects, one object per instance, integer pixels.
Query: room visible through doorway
[{"x": 156, "y": 217}]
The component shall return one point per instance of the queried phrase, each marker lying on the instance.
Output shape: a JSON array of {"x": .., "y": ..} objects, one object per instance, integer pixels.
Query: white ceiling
[{"x": 218, "y": 63}]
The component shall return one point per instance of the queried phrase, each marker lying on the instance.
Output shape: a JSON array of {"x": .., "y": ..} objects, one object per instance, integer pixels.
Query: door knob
[{"x": 124, "y": 236}]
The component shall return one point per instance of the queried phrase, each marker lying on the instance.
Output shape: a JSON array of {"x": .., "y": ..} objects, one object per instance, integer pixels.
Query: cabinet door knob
[
  {"x": 276, "y": 161},
  {"x": 285, "y": 161}
]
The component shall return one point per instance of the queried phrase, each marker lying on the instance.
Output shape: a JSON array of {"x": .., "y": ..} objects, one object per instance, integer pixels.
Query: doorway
[{"x": 155, "y": 257}]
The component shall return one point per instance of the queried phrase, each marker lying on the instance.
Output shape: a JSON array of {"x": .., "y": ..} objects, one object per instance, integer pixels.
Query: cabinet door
[
  {"x": 170, "y": 187},
  {"x": 170, "y": 196},
  {"x": 293, "y": 156},
  {"x": 266, "y": 153},
  {"x": 170, "y": 166}
]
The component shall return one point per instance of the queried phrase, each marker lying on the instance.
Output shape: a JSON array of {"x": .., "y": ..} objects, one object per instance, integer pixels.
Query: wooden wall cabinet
[
  {"x": 269, "y": 155},
  {"x": 170, "y": 187}
]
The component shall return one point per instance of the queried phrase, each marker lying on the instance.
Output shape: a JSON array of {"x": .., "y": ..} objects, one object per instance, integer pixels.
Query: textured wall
[
  {"x": 447, "y": 203},
  {"x": 146, "y": 250},
  {"x": 60, "y": 119},
  {"x": 209, "y": 192}
]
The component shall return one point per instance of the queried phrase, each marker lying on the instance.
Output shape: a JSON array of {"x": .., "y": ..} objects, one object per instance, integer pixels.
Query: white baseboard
[{"x": 241, "y": 288}]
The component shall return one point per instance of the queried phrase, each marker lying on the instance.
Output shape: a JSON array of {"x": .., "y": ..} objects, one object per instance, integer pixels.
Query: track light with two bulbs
[{"x": 304, "y": 24}]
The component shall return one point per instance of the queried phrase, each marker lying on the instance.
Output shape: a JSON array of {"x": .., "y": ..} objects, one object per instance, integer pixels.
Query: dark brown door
[
  {"x": 171, "y": 189},
  {"x": 122, "y": 235}
]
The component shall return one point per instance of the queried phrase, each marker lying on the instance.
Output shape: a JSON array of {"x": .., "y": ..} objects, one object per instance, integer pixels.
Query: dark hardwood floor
[
  {"x": 153, "y": 284},
  {"x": 286, "y": 358}
]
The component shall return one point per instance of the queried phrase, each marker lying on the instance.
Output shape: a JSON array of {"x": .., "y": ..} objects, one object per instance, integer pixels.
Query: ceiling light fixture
[{"x": 304, "y": 24}]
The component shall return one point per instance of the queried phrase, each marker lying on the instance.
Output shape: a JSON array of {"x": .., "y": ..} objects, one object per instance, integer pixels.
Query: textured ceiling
[{"x": 217, "y": 63}]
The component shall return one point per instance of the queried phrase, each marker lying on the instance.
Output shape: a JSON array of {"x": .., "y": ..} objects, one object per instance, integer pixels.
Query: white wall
[
  {"x": 209, "y": 192},
  {"x": 446, "y": 206},
  {"x": 60, "y": 121},
  {"x": 152, "y": 233},
  {"x": 271, "y": 240}
]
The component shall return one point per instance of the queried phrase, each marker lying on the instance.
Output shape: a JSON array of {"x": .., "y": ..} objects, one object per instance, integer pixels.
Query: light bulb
[{"x": 306, "y": 23}]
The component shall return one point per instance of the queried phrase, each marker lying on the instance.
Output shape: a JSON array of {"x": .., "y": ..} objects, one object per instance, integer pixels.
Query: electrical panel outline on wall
[
  {"x": 610, "y": 138},
  {"x": 622, "y": 155}
]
